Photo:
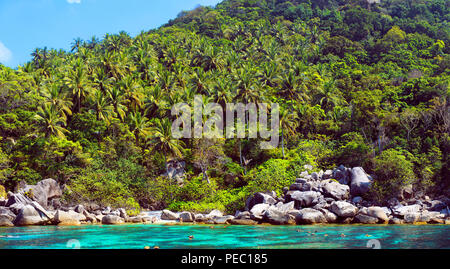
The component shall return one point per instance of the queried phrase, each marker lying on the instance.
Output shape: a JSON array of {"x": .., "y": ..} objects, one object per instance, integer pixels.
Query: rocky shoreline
[{"x": 325, "y": 197}]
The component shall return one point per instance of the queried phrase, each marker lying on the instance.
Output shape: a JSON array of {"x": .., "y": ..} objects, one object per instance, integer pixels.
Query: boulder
[
  {"x": 365, "y": 219},
  {"x": 315, "y": 176},
  {"x": 357, "y": 199},
  {"x": 169, "y": 215},
  {"x": 310, "y": 216},
  {"x": 186, "y": 216},
  {"x": 277, "y": 217},
  {"x": 343, "y": 209},
  {"x": 335, "y": 190},
  {"x": 401, "y": 210},
  {"x": 112, "y": 219},
  {"x": 304, "y": 199},
  {"x": 17, "y": 198},
  {"x": 5, "y": 221},
  {"x": 214, "y": 213},
  {"x": 436, "y": 205},
  {"x": 377, "y": 212},
  {"x": 79, "y": 209},
  {"x": 29, "y": 215},
  {"x": 328, "y": 174},
  {"x": 6, "y": 212},
  {"x": 123, "y": 213},
  {"x": 411, "y": 217},
  {"x": 395, "y": 221},
  {"x": 329, "y": 216},
  {"x": 342, "y": 175},
  {"x": 258, "y": 211},
  {"x": 285, "y": 207},
  {"x": 242, "y": 215},
  {"x": 259, "y": 198},
  {"x": 68, "y": 218},
  {"x": 242, "y": 222},
  {"x": 136, "y": 219},
  {"x": 223, "y": 220},
  {"x": 360, "y": 182},
  {"x": 106, "y": 210},
  {"x": 43, "y": 192},
  {"x": 406, "y": 192},
  {"x": 296, "y": 187}
]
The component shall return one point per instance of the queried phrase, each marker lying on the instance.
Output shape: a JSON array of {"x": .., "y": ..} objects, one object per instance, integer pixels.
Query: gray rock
[
  {"x": 186, "y": 217},
  {"x": 69, "y": 218},
  {"x": 307, "y": 167},
  {"x": 17, "y": 198},
  {"x": 6, "y": 212},
  {"x": 395, "y": 221},
  {"x": 310, "y": 216},
  {"x": 5, "y": 221},
  {"x": 377, "y": 212},
  {"x": 79, "y": 209},
  {"x": 315, "y": 176},
  {"x": 304, "y": 199},
  {"x": 29, "y": 215},
  {"x": 329, "y": 216},
  {"x": 169, "y": 215},
  {"x": 296, "y": 187},
  {"x": 357, "y": 199},
  {"x": 214, "y": 213},
  {"x": 123, "y": 213},
  {"x": 112, "y": 219},
  {"x": 44, "y": 191},
  {"x": 223, "y": 220},
  {"x": 362, "y": 218},
  {"x": 258, "y": 211},
  {"x": 285, "y": 207},
  {"x": 277, "y": 217},
  {"x": 411, "y": 217},
  {"x": 242, "y": 222},
  {"x": 106, "y": 210},
  {"x": 360, "y": 183},
  {"x": 335, "y": 190},
  {"x": 301, "y": 180},
  {"x": 343, "y": 209},
  {"x": 242, "y": 215},
  {"x": 406, "y": 192},
  {"x": 328, "y": 174},
  {"x": 401, "y": 210},
  {"x": 259, "y": 198}
]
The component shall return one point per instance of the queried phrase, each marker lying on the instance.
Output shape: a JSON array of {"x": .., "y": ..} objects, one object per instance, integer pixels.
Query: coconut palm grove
[{"x": 359, "y": 83}]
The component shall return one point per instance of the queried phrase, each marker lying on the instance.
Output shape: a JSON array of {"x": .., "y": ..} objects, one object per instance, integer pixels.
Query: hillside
[{"x": 358, "y": 83}]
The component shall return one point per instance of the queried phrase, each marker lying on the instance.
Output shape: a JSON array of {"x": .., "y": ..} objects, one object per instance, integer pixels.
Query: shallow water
[{"x": 226, "y": 237}]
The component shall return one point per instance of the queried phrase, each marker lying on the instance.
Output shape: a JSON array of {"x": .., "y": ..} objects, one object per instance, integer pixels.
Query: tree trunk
[{"x": 282, "y": 141}]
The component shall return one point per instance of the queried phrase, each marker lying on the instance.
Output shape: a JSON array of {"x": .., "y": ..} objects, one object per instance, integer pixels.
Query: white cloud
[
  {"x": 74, "y": 1},
  {"x": 5, "y": 54}
]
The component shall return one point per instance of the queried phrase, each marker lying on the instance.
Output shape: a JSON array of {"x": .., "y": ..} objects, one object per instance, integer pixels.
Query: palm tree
[
  {"x": 163, "y": 141},
  {"x": 102, "y": 106},
  {"x": 54, "y": 96},
  {"x": 288, "y": 123},
  {"x": 117, "y": 100},
  {"x": 140, "y": 126},
  {"x": 78, "y": 82},
  {"x": 51, "y": 121}
]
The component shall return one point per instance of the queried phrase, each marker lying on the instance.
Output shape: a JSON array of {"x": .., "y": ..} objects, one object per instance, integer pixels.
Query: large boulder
[
  {"x": 365, "y": 219},
  {"x": 378, "y": 212},
  {"x": 343, "y": 209},
  {"x": 43, "y": 192},
  {"x": 7, "y": 213},
  {"x": 112, "y": 219},
  {"x": 335, "y": 190},
  {"x": 342, "y": 174},
  {"x": 69, "y": 218},
  {"x": 277, "y": 217},
  {"x": 401, "y": 210},
  {"x": 329, "y": 216},
  {"x": 29, "y": 215},
  {"x": 5, "y": 221},
  {"x": 360, "y": 183},
  {"x": 285, "y": 207},
  {"x": 17, "y": 198},
  {"x": 169, "y": 215},
  {"x": 304, "y": 199},
  {"x": 214, "y": 213},
  {"x": 186, "y": 217},
  {"x": 223, "y": 220},
  {"x": 259, "y": 198},
  {"x": 310, "y": 216},
  {"x": 257, "y": 212}
]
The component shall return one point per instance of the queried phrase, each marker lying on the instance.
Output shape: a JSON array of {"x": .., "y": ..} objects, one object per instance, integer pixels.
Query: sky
[{"x": 29, "y": 24}]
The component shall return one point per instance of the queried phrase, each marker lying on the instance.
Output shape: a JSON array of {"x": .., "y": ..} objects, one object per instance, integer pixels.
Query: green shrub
[
  {"x": 393, "y": 171},
  {"x": 272, "y": 175}
]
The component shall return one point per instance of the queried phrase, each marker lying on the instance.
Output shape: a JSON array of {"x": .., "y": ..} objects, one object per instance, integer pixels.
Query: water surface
[{"x": 137, "y": 236}]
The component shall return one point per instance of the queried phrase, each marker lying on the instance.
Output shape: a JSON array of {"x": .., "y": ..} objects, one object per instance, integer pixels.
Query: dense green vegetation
[{"x": 359, "y": 84}]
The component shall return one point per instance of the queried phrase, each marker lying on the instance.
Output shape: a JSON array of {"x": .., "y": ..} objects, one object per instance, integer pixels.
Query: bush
[
  {"x": 393, "y": 171},
  {"x": 272, "y": 175}
]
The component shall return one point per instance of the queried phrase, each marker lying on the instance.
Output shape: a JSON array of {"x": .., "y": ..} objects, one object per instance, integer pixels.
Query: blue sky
[{"x": 29, "y": 24}]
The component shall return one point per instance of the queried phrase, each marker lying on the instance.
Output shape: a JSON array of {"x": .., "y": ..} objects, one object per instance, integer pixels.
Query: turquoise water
[{"x": 225, "y": 237}]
